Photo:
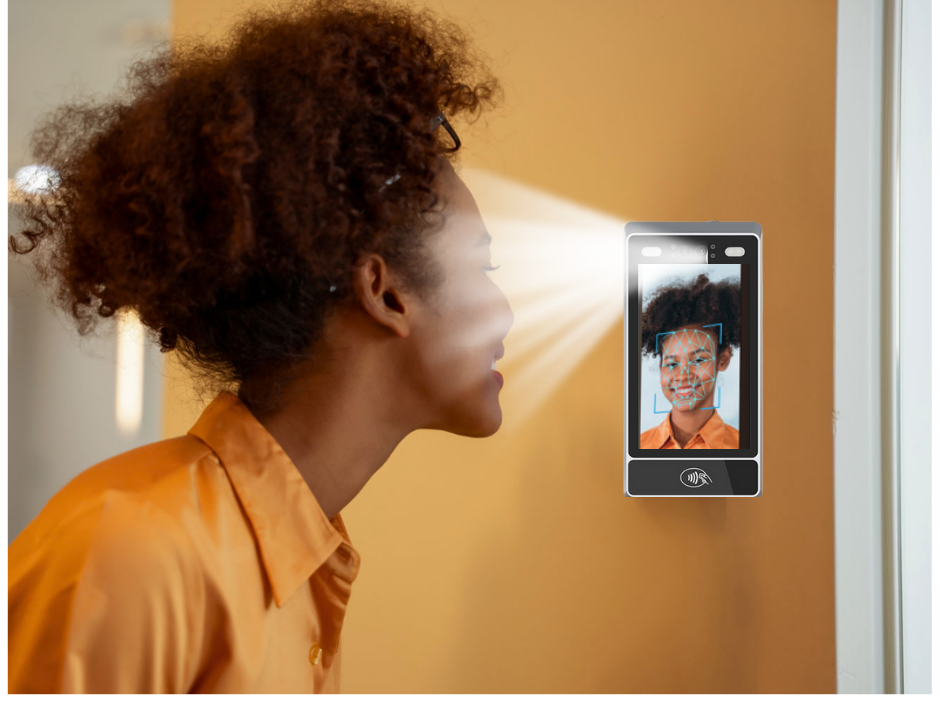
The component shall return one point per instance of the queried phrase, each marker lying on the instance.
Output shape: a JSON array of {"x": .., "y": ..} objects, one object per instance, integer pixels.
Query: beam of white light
[
  {"x": 538, "y": 379},
  {"x": 554, "y": 276},
  {"x": 561, "y": 268},
  {"x": 130, "y": 373}
]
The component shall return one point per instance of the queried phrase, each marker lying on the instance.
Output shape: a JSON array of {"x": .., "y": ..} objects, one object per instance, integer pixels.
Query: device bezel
[{"x": 751, "y": 231}]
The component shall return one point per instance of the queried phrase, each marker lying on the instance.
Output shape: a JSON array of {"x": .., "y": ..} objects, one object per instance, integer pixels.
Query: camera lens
[
  {"x": 700, "y": 250},
  {"x": 685, "y": 250}
]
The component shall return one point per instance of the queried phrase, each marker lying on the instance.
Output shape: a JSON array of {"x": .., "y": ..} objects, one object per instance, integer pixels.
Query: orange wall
[{"x": 515, "y": 564}]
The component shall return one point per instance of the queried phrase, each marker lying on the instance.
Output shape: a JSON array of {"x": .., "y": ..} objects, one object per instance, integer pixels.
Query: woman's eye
[{"x": 491, "y": 268}]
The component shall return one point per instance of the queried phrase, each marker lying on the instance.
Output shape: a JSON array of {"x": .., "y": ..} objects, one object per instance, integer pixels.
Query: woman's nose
[
  {"x": 508, "y": 317},
  {"x": 496, "y": 318},
  {"x": 502, "y": 315}
]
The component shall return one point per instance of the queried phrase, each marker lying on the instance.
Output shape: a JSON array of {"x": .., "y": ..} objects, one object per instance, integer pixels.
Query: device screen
[
  {"x": 693, "y": 336},
  {"x": 691, "y": 391}
]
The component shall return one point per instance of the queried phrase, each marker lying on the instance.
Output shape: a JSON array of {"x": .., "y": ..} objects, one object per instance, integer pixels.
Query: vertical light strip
[
  {"x": 890, "y": 382},
  {"x": 130, "y": 373}
]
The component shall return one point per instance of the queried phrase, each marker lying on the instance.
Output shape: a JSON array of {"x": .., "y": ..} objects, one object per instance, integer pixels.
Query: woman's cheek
[
  {"x": 707, "y": 374},
  {"x": 664, "y": 381}
]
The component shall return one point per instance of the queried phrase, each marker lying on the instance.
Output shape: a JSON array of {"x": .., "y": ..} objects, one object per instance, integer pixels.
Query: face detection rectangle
[{"x": 691, "y": 389}]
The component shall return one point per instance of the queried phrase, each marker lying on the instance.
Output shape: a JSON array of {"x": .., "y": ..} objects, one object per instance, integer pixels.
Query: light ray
[{"x": 561, "y": 268}]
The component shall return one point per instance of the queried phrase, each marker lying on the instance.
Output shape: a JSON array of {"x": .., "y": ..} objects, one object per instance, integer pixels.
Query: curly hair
[
  {"x": 700, "y": 302},
  {"x": 226, "y": 194}
]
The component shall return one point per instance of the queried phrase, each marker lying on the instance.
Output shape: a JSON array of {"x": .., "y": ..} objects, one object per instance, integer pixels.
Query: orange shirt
[
  {"x": 202, "y": 564},
  {"x": 714, "y": 435}
]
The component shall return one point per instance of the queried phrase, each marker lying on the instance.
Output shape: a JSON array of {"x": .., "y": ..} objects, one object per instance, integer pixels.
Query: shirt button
[{"x": 315, "y": 652}]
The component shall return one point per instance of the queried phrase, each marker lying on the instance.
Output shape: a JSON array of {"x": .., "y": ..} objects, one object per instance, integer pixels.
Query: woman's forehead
[
  {"x": 687, "y": 338},
  {"x": 462, "y": 219}
]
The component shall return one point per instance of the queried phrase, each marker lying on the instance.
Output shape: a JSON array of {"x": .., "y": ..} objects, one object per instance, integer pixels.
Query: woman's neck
[{"x": 340, "y": 428}]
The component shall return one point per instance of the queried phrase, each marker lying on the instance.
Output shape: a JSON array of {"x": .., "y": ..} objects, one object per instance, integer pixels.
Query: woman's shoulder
[
  {"x": 732, "y": 438},
  {"x": 655, "y": 437},
  {"x": 160, "y": 475},
  {"x": 117, "y": 558},
  {"x": 647, "y": 435}
]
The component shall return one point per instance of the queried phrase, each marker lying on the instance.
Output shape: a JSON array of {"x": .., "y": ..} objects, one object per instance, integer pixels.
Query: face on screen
[{"x": 689, "y": 366}]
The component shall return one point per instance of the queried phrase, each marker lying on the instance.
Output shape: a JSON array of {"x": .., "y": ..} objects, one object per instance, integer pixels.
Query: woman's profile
[
  {"x": 282, "y": 210},
  {"x": 690, "y": 329}
]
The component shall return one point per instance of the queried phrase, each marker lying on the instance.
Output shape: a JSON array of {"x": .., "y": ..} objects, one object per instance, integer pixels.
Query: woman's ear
[
  {"x": 724, "y": 359},
  {"x": 378, "y": 295}
]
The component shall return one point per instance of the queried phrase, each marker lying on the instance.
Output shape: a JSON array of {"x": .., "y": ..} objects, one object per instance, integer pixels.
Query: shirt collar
[
  {"x": 712, "y": 433},
  {"x": 293, "y": 533}
]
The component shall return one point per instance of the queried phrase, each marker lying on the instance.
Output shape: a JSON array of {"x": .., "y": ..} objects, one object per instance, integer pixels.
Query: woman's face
[
  {"x": 689, "y": 366},
  {"x": 457, "y": 336}
]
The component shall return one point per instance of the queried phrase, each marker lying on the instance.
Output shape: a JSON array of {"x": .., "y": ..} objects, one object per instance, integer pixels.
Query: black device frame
[{"x": 729, "y": 472}]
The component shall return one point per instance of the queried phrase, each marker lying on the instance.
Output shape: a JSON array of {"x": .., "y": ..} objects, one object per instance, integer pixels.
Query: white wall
[
  {"x": 58, "y": 48},
  {"x": 856, "y": 408},
  {"x": 915, "y": 346},
  {"x": 61, "y": 405},
  {"x": 62, "y": 399}
]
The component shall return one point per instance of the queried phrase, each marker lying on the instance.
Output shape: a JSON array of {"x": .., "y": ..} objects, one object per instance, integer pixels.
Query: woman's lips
[{"x": 684, "y": 391}]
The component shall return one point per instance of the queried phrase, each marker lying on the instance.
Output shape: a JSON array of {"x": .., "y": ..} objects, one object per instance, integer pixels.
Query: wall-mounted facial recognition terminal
[{"x": 692, "y": 364}]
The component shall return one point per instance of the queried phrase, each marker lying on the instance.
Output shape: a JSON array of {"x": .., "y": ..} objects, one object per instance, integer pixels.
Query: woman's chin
[
  {"x": 490, "y": 420},
  {"x": 484, "y": 420}
]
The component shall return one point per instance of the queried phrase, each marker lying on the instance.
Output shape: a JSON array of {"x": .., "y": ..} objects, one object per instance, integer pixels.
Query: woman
[
  {"x": 691, "y": 329},
  {"x": 281, "y": 211}
]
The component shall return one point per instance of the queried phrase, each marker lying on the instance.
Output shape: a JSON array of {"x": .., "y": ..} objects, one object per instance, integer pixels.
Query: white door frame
[
  {"x": 857, "y": 355},
  {"x": 881, "y": 420}
]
